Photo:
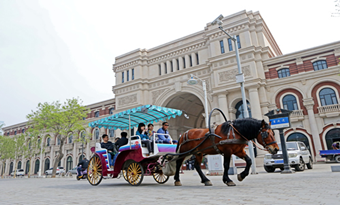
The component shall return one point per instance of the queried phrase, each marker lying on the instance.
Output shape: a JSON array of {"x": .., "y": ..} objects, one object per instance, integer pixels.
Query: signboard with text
[{"x": 280, "y": 123}]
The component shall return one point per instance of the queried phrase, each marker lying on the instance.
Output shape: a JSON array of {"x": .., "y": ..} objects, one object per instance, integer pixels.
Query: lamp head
[
  {"x": 192, "y": 81},
  {"x": 218, "y": 20}
]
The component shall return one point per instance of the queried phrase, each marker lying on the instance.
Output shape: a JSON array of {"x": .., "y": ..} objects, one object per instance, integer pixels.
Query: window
[
  {"x": 48, "y": 141},
  {"x": 112, "y": 132},
  {"x": 184, "y": 62},
  {"x": 7, "y": 133},
  {"x": 284, "y": 72},
  {"x": 96, "y": 114},
  {"x": 289, "y": 102},
  {"x": 160, "y": 69},
  {"x": 47, "y": 164},
  {"x": 197, "y": 59},
  {"x": 133, "y": 74},
  {"x": 190, "y": 60},
  {"x": 230, "y": 44},
  {"x": 319, "y": 65},
  {"x": 327, "y": 97},
  {"x": 177, "y": 61},
  {"x": 58, "y": 140},
  {"x": 172, "y": 66},
  {"x": 96, "y": 132},
  {"x": 27, "y": 166},
  {"x": 19, "y": 165},
  {"x": 82, "y": 136},
  {"x": 112, "y": 110},
  {"x": 240, "y": 111},
  {"x": 15, "y": 132},
  {"x": 222, "y": 46},
  {"x": 36, "y": 167},
  {"x": 39, "y": 142},
  {"x": 69, "y": 163},
  {"x": 122, "y": 77},
  {"x": 165, "y": 68},
  {"x": 127, "y": 75},
  {"x": 84, "y": 118},
  {"x": 238, "y": 41},
  {"x": 23, "y": 130},
  {"x": 70, "y": 139}
]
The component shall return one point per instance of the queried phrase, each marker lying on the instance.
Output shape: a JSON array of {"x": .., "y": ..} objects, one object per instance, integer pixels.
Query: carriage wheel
[
  {"x": 135, "y": 173},
  {"x": 160, "y": 178},
  {"x": 94, "y": 171},
  {"x": 124, "y": 175}
]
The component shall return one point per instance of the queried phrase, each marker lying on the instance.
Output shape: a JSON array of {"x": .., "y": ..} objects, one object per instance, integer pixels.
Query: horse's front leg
[
  {"x": 226, "y": 165},
  {"x": 197, "y": 166},
  {"x": 246, "y": 158},
  {"x": 179, "y": 163}
]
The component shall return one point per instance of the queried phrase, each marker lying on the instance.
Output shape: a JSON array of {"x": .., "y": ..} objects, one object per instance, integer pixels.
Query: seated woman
[{"x": 144, "y": 137}]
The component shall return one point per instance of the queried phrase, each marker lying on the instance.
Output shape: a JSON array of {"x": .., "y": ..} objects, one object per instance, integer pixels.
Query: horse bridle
[{"x": 264, "y": 135}]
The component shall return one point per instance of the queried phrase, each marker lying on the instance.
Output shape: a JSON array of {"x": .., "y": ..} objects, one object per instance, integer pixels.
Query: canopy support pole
[{"x": 129, "y": 132}]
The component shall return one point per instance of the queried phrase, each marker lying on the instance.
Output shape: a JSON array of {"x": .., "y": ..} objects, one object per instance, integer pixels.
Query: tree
[
  {"x": 18, "y": 150},
  {"x": 6, "y": 151},
  {"x": 31, "y": 146},
  {"x": 58, "y": 119}
]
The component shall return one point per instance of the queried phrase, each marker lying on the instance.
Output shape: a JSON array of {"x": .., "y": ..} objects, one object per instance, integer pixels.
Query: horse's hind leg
[
  {"x": 197, "y": 166},
  {"x": 226, "y": 165},
  {"x": 179, "y": 163},
  {"x": 246, "y": 158}
]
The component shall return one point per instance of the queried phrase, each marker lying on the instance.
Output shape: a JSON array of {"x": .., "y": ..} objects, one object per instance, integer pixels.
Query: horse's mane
[{"x": 248, "y": 127}]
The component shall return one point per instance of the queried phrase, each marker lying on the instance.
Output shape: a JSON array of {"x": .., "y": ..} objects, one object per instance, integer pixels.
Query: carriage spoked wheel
[
  {"x": 124, "y": 175},
  {"x": 134, "y": 173},
  {"x": 160, "y": 178},
  {"x": 94, "y": 171}
]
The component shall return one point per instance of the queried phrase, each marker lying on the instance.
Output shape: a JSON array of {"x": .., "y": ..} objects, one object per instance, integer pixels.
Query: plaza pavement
[{"x": 316, "y": 186}]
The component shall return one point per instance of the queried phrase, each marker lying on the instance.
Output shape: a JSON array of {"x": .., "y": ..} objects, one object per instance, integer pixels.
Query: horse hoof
[
  {"x": 239, "y": 177},
  {"x": 178, "y": 183},
  {"x": 231, "y": 183},
  {"x": 208, "y": 183}
]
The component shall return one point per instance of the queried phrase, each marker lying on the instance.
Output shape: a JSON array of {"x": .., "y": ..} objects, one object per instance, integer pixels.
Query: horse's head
[{"x": 266, "y": 138}]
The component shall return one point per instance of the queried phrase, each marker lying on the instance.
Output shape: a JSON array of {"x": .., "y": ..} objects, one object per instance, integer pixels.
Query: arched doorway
[
  {"x": 299, "y": 137},
  {"x": 19, "y": 165},
  {"x": 27, "y": 167},
  {"x": 47, "y": 164},
  {"x": 193, "y": 107},
  {"x": 10, "y": 168},
  {"x": 240, "y": 111},
  {"x": 36, "y": 166},
  {"x": 332, "y": 136},
  {"x": 69, "y": 163}
]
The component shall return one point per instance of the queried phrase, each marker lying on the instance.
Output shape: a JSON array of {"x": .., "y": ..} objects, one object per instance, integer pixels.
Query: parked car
[
  {"x": 73, "y": 171},
  {"x": 19, "y": 172},
  {"x": 59, "y": 170},
  {"x": 299, "y": 156}
]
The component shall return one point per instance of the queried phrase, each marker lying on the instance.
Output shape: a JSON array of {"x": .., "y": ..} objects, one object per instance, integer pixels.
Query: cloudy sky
[{"x": 54, "y": 50}]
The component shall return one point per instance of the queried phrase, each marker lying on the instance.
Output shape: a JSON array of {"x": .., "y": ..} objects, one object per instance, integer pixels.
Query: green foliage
[
  {"x": 58, "y": 119},
  {"x": 7, "y": 146}
]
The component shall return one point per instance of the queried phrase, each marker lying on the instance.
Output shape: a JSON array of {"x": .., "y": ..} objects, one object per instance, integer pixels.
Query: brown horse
[{"x": 229, "y": 138}]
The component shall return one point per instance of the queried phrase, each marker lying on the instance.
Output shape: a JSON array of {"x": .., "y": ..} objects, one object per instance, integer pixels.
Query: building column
[
  {"x": 187, "y": 61},
  {"x": 255, "y": 103},
  {"x": 41, "y": 156},
  {"x": 74, "y": 160},
  {"x": 194, "y": 60},
  {"x": 181, "y": 63},
  {"x": 223, "y": 105},
  {"x": 174, "y": 64},
  {"x": 162, "y": 69},
  {"x": 264, "y": 101},
  {"x": 168, "y": 66},
  {"x": 309, "y": 104}
]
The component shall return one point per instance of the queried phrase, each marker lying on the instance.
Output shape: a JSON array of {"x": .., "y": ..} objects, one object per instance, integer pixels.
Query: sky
[{"x": 59, "y": 49}]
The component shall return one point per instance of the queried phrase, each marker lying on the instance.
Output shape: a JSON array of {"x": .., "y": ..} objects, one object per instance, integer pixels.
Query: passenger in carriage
[
  {"x": 111, "y": 149},
  {"x": 164, "y": 138},
  {"x": 122, "y": 141},
  {"x": 144, "y": 137},
  {"x": 150, "y": 131}
]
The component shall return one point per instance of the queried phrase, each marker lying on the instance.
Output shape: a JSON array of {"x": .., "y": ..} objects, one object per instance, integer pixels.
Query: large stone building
[{"x": 306, "y": 82}]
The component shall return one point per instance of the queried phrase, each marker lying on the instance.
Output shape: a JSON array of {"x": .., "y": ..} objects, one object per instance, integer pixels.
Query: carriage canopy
[{"x": 142, "y": 114}]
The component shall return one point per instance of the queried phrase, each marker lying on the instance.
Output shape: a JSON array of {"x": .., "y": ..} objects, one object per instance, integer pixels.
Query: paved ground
[{"x": 317, "y": 186}]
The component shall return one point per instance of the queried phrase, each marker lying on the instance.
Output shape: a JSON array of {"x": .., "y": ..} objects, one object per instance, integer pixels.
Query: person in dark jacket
[
  {"x": 111, "y": 149},
  {"x": 122, "y": 141},
  {"x": 82, "y": 165}
]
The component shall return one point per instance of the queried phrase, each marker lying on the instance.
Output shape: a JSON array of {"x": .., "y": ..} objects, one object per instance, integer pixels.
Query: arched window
[
  {"x": 96, "y": 133},
  {"x": 47, "y": 164},
  {"x": 70, "y": 139},
  {"x": 48, "y": 141},
  {"x": 81, "y": 158},
  {"x": 10, "y": 167},
  {"x": 112, "y": 110},
  {"x": 327, "y": 97},
  {"x": 96, "y": 114},
  {"x": 332, "y": 136},
  {"x": 69, "y": 163},
  {"x": 19, "y": 165},
  {"x": 240, "y": 111},
  {"x": 36, "y": 167},
  {"x": 112, "y": 132},
  {"x": 284, "y": 72},
  {"x": 15, "y": 132},
  {"x": 319, "y": 65},
  {"x": 23, "y": 130},
  {"x": 289, "y": 102},
  {"x": 300, "y": 138},
  {"x": 27, "y": 167}
]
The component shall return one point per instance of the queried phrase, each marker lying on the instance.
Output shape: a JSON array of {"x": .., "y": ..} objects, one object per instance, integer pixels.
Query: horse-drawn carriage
[{"x": 134, "y": 161}]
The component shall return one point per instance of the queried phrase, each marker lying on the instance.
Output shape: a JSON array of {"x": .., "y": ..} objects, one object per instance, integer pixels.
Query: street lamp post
[
  {"x": 239, "y": 79},
  {"x": 193, "y": 81}
]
